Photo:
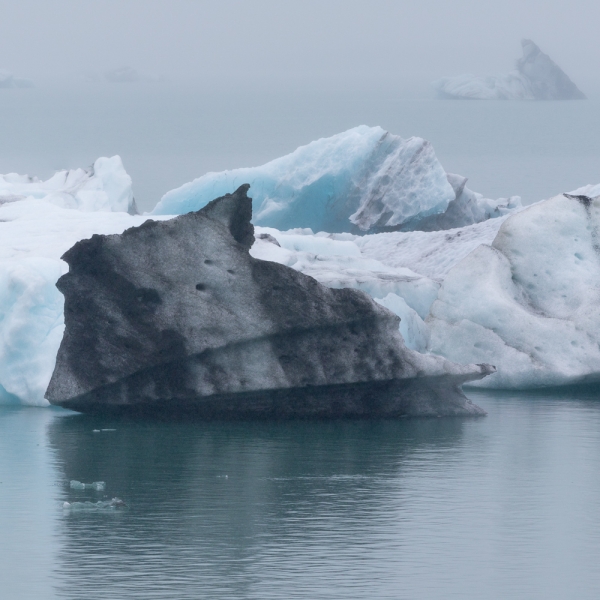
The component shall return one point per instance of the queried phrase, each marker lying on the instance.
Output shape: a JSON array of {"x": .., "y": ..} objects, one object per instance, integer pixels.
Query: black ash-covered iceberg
[
  {"x": 178, "y": 316},
  {"x": 536, "y": 77}
]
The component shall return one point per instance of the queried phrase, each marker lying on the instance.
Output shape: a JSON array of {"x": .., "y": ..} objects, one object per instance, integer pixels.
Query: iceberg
[
  {"x": 520, "y": 292},
  {"x": 178, "y": 318},
  {"x": 363, "y": 180},
  {"x": 122, "y": 75},
  {"x": 516, "y": 291},
  {"x": 529, "y": 299},
  {"x": 105, "y": 186},
  {"x": 536, "y": 77},
  {"x": 8, "y": 80}
]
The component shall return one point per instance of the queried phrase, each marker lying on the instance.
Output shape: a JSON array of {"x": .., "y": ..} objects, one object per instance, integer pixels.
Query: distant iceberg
[
  {"x": 8, "y": 80},
  {"x": 122, "y": 75},
  {"x": 364, "y": 180},
  {"x": 536, "y": 77},
  {"x": 105, "y": 186}
]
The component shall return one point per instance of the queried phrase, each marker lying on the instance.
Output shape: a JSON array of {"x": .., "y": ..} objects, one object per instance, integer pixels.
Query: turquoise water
[{"x": 505, "y": 506}]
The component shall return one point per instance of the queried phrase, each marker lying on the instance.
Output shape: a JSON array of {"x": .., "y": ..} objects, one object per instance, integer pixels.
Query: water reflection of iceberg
[{"x": 216, "y": 507}]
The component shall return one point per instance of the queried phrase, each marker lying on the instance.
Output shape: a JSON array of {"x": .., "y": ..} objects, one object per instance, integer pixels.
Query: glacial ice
[
  {"x": 537, "y": 77},
  {"x": 519, "y": 291},
  {"x": 105, "y": 186},
  {"x": 530, "y": 299},
  {"x": 363, "y": 180},
  {"x": 94, "y": 506}
]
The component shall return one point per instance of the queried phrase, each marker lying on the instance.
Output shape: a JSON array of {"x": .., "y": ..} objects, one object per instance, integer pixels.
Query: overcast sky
[{"x": 344, "y": 39}]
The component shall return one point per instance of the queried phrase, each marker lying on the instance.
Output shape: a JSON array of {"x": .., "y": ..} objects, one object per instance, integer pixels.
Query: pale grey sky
[{"x": 283, "y": 39}]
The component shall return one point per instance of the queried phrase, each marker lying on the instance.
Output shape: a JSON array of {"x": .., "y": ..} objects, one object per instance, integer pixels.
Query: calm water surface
[{"x": 506, "y": 506}]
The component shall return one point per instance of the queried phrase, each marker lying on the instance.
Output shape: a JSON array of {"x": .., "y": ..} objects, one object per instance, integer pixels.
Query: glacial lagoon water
[{"x": 505, "y": 506}]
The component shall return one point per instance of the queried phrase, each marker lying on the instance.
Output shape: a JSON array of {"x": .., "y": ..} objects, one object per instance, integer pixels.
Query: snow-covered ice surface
[
  {"x": 363, "y": 180},
  {"x": 537, "y": 77},
  {"x": 105, "y": 186},
  {"x": 521, "y": 292},
  {"x": 401, "y": 270},
  {"x": 530, "y": 300}
]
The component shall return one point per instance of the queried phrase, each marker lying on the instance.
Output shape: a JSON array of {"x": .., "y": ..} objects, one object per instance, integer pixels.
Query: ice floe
[{"x": 98, "y": 486}]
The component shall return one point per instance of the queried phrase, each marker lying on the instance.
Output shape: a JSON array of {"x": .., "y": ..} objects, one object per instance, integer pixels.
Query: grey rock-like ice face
[{"x": 176, "y": 315}]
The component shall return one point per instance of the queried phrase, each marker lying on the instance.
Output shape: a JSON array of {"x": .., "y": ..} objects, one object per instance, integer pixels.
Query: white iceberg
[
  {"x": 105, "y": 186},
  {"x": 520, "y": 292},
  {"x": 363, "y": 180},
  {"x": 537, "y": 77},
  {"x": 529, "y": 300}
]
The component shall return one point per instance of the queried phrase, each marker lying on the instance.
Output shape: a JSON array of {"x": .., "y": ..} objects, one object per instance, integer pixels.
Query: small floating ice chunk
[
  {"x": 98, "y": 486},
  {"x": 92, "y": 506}
]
